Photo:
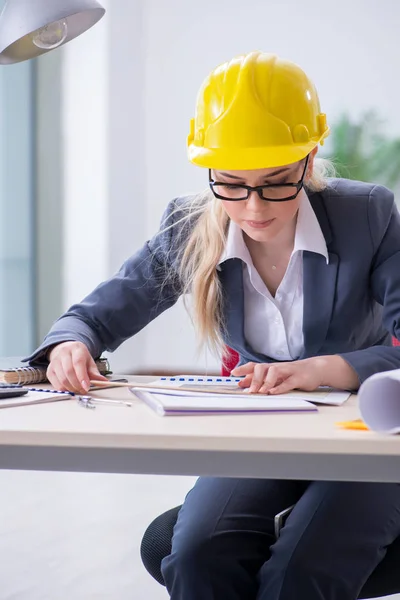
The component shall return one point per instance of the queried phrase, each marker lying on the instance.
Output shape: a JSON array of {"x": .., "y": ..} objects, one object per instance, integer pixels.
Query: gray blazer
[{"x": 351, "y": 305}]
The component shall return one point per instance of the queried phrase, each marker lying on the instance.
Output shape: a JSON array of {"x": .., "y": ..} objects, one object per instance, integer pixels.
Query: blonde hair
[{"x": 200, "y": 253}]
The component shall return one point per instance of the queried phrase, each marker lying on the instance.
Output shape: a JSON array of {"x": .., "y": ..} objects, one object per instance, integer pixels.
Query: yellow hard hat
[{"x": 256, "y": 111}]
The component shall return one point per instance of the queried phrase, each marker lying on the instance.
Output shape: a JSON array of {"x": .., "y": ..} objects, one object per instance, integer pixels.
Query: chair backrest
[{"x": 231, "y": 359}]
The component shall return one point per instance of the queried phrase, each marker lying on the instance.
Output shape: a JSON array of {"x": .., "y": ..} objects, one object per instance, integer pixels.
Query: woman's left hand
[{"x": 307, "y": 374}]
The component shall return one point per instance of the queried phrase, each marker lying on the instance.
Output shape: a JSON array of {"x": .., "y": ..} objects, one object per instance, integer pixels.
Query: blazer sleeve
[
  {"x": 145, "y": 286},
  {"x": 384, "y": 225}
]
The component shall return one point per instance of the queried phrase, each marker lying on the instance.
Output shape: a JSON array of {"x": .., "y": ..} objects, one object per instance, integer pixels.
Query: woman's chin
[{"x": 260, "y": 234}]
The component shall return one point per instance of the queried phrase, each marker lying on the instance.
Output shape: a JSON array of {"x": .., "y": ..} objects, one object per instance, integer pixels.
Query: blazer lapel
[
  {"x": 231, "y": 278},
  {"x": 319, "y": 289},
  {"x": 319, "y": 286}
]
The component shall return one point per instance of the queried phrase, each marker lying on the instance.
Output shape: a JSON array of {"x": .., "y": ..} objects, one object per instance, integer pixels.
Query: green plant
[{"x": 359, "y": 150}]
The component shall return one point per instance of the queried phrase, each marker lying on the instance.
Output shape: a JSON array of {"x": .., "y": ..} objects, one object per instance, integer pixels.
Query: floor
[{"x": 76, "y": 536}]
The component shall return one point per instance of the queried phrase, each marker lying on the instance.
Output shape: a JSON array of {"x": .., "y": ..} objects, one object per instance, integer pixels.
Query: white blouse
[{"x": 274, "y": 325}]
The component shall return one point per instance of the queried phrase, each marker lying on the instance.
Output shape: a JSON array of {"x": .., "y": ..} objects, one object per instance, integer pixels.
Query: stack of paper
[{"x": 190, "y": 394}]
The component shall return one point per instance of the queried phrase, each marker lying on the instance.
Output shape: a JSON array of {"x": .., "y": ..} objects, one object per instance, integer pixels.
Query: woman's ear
[{"x": 310, "y": 165}]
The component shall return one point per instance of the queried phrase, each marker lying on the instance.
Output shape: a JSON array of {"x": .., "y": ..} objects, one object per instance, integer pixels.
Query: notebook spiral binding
[{"x": 33, "y": 374}]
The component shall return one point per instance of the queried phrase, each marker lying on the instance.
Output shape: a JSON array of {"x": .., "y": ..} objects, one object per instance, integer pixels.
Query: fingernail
[{"x": 85, "y": 385}]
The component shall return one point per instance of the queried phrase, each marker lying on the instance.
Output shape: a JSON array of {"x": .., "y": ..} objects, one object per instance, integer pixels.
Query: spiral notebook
[
  {"x": 188, "y": 402},
  {"x": 13, "y": 371}
]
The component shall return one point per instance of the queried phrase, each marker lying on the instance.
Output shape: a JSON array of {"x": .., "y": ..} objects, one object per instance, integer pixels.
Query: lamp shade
[{"x": 29, "y": 28}]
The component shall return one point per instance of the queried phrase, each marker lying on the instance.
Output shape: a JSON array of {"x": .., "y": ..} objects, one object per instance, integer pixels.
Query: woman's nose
[{"x": 254, "y": 202}]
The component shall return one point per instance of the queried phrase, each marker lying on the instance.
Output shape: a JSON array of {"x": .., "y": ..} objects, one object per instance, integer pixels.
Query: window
[{"x": 16, "y": 210}]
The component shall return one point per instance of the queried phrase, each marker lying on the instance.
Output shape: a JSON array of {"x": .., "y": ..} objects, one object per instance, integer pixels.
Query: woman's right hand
[{"x": 72, "y": 367}]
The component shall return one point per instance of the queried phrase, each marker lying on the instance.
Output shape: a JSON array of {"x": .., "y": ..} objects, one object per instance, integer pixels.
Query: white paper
[{"x": 379, "y": 401}]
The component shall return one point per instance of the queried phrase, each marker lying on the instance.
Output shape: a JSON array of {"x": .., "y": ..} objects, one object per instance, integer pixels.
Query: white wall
[{"x": 85, "y": 131}]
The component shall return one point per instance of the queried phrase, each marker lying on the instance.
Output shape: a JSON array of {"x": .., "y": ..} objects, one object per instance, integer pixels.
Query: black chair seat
[{"x": 156, "y": 544}]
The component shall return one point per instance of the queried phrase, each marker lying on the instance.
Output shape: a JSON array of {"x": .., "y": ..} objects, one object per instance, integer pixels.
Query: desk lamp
[{"x": 29, "y": 28}]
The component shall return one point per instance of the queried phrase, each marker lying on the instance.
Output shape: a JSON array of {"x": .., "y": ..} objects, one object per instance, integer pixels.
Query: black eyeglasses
[{"x": 273, "y": 192}]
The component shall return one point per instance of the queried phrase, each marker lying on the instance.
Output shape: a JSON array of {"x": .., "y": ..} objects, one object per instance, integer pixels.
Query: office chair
[{"x": 156, "y": 542}]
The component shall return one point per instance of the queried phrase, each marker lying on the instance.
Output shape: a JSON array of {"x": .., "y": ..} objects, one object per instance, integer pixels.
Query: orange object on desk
[{"x": 356, "y": 424}]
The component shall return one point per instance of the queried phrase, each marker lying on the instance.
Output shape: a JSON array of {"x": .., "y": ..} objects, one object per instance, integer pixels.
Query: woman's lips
[{"x": 260, "y": 224}]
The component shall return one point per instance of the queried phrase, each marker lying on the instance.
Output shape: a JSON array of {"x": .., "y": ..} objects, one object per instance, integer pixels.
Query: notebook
[
  {"x": 324, "y": 395},
  {"x": 12, "y": 371},
  {"x": 186, "y": 402},
  {"x": 35, "y": 397},
  {"x": 379, "y": 401}
]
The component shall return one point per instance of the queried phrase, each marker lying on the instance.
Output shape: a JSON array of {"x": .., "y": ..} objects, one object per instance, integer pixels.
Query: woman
[{"x": 301, "y": 276}]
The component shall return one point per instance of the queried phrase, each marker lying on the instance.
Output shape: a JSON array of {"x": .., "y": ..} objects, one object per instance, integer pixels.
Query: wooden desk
[{"x": 114, "y": 439}]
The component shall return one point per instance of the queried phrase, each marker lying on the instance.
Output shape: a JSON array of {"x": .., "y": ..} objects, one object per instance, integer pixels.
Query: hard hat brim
[{"x": 244, "y": 159}]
